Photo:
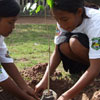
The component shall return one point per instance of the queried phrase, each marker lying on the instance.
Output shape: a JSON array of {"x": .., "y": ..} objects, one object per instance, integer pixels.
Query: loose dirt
[{"x": 58, "y": 83}]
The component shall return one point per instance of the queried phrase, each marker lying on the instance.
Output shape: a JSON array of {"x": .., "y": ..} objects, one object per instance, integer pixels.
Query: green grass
[{"x": 28, "y": 44}]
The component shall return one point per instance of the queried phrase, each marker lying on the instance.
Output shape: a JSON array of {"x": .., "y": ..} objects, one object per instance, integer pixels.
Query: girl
[{"x": 77, "y": 45}]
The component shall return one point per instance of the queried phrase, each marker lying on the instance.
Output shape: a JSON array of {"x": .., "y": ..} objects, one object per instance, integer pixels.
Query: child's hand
[
  {"x": 63, "y": 97},
  {"x": 40, "y": 87},
  {"x": 30, "y": 92}
]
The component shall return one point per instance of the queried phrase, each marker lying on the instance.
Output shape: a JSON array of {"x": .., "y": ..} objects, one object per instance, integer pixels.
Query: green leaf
[
  {"x": 31, "y": 12},
  {"x": 40, "y": 7},
  {"x": 50, "y": 3},
  {"x": 36, "y": 1},
  {"x": 35, "y": 7}
]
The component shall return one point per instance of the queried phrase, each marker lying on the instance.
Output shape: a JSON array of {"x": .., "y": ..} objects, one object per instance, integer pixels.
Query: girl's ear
[{"x": 80, "y": 11}]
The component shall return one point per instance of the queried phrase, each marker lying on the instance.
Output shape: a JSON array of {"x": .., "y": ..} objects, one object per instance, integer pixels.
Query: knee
[
  {"x": 73, "y": 42},
  {"x": 69, "y": 48},
  {"x": 76, "y": 46},
  {"x": 65, "y": 49}
]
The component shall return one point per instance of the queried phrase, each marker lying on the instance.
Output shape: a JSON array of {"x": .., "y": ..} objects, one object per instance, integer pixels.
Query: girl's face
[
  {"x": 67, "y": 20},
  {"x": 7, "y": 24}
]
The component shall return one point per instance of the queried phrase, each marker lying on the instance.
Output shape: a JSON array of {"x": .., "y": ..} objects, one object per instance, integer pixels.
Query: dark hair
[
  {"x": 9, "y": 8},
  {"x": 91, "y": 5},
  {"x": 70, "y": 6}
]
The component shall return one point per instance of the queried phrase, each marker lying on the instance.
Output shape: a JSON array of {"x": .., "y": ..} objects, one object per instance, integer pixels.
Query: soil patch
[
  {"x": 36, "y": 20},
  {"x": 58, "y": 83}
]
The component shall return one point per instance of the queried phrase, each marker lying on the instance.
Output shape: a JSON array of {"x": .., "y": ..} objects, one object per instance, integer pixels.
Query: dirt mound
[
  {"x": 58, "y": 83},
  {"x": 34, "y": 75}
]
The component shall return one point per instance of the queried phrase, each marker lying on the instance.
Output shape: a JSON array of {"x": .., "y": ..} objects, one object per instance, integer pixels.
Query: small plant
[{"x": 36, "y": 7}]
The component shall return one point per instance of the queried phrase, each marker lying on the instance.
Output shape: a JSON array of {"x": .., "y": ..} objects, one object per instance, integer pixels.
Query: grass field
[{"x": 28, "y": 44}]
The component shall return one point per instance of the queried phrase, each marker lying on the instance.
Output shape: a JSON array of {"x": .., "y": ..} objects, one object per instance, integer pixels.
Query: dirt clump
[{"x": 58, "y": 83}]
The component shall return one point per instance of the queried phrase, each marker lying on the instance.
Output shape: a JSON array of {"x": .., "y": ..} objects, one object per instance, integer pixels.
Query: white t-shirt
[
  {"x": 4, "y": 58},
  {"x": 91, "y": 27}
]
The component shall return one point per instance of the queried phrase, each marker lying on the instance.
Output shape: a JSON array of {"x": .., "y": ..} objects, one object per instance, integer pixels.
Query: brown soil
[
  {"x": 58, "y": 83},
  {"x": 36, "y": 20}
]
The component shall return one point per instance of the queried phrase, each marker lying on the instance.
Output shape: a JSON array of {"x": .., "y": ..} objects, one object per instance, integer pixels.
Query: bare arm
[
  {"x": 15, "y": 75},
  {"x": 54, "y": 62},
  {"x": 13, "y": 72},
  {"x": 85, "y": 80},
  {"x": 11, "y": 87}
]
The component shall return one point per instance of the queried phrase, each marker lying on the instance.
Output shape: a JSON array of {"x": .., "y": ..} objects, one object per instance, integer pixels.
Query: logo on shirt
[
  {"x": 0, "y": 69},
  {"x": 96, "y": 43}
]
